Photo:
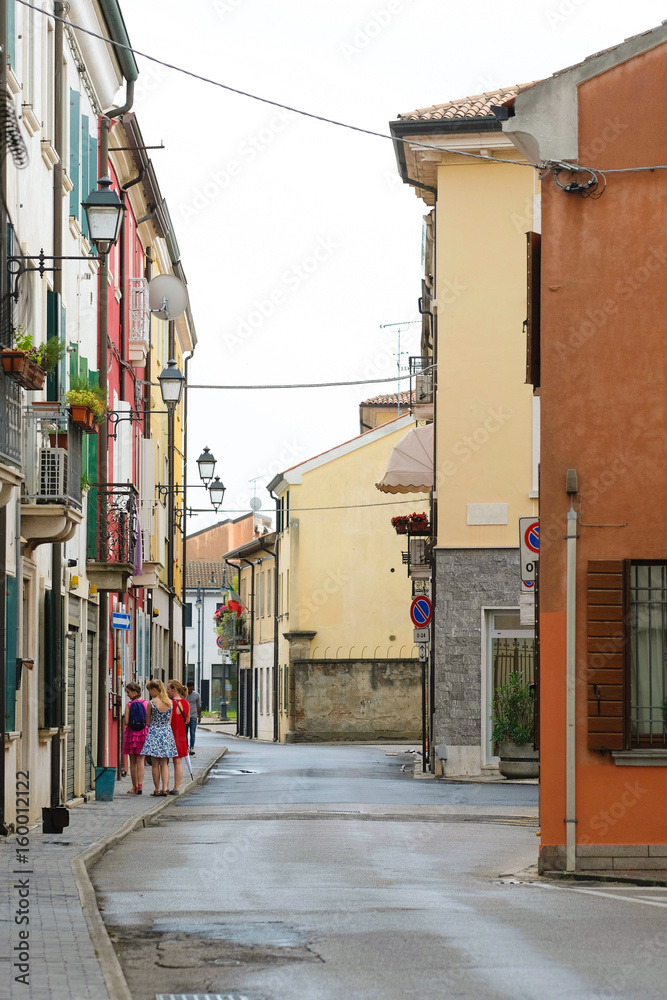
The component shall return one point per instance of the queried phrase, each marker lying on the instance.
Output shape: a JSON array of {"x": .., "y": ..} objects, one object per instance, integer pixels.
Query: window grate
[{"x": 648, "y": 670}]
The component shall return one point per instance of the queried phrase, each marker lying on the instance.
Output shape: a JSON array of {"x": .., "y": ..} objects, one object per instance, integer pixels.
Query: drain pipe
[
  {"x": 276, "y": 625},
  {"x": 252, "y": 641},
  {"x": 570, "y": 696},
  {"x": 237, "y": 570}
]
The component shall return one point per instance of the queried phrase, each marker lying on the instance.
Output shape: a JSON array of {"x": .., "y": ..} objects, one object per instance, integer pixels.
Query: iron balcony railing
[
  {"x": 10, "y": 422},
  {"x": 421, "y": 380},
  {"x": 117, "y": 523},
  {"x": 53, "y": 473}
]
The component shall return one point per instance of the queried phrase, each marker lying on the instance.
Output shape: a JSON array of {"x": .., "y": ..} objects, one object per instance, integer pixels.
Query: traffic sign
[
  {"x": 220, "y": 642},
  {"x": 527, "y": 586},
  {"x": 119, "y": 620},
  {"x": 422, "y": 635},
  {"x": 421, "y": 611},
  {"x": 423, "y": 652},
  {"x": 529, "y": 545}
]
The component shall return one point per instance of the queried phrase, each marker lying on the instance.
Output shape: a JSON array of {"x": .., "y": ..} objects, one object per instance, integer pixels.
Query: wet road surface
[{"x": 322, "y": 872}]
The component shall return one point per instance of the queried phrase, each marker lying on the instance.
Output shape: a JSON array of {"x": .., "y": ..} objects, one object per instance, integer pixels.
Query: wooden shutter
[
  {"x": 606, "y": 650},
  {"x": 533, "y": 315}
]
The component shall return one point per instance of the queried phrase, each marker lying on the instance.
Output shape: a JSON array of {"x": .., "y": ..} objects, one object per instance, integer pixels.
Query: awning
[{"x": 410, "y": 468}]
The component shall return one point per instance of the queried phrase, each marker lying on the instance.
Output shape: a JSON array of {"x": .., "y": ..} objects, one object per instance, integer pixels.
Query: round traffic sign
[
  {"x": 532, "y": 537},
  {"x": 220, "y": 642},
  {"x": 529, "y": 583},
  {"x": 421, "y": 611}
]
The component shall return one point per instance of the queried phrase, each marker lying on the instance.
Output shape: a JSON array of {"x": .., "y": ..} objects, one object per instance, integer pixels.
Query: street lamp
[
  {"x": 171, "y": 384},
  {"x": 216, "y": 491},
  {"x": 206, "y": 465},
  {"x": 104, "y": 212}
]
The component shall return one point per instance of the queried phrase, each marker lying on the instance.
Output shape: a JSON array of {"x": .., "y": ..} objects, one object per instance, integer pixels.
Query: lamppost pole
[{"x": 199, "y": 636}]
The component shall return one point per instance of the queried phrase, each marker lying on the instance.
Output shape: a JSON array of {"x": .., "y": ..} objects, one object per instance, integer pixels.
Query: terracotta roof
[
  {"x": 209, "y": 574},
  {"x": 404, "y": 398},
  {"x": 478, "y": 106}
]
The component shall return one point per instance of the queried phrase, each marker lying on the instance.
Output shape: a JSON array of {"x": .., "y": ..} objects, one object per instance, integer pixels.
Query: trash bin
[{"x": 105, "y": 779}]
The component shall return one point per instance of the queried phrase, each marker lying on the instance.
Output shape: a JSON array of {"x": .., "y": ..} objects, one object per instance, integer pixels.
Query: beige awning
[{"x": 410, "y": 468}]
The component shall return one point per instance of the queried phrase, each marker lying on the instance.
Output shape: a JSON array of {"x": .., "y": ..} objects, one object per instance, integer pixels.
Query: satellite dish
[
  {"x": 167, "y": 296},
  {"x": 255, "y": 503}
]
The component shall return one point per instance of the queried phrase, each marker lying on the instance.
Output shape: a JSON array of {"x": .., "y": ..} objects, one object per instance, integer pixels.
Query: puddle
[
  {"x": 218, "y": 771},
  {"x": 273, "y": 934}
]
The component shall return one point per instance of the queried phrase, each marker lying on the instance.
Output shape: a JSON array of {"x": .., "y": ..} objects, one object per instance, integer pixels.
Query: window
[
  {"x": 627, "y": 646},
  {"x": 648, "y": 649}
]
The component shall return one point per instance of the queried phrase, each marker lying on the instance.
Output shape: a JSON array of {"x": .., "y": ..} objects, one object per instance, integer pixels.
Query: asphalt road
[{"x": 314, "y": 873}]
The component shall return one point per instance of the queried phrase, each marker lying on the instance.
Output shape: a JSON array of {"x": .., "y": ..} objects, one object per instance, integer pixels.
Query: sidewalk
[{"x": 70, "y": 956}]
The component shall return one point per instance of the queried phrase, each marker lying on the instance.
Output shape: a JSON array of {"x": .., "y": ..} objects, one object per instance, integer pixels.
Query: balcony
[
  {"x": 151, "y": 567},
  {"x": 236, "y": 634},
  {"x": 10, "y": 438},
  {"x": 114, "y": 540},
  {"x": 51, "y": 496},
  {"x": 140, "y": 322},
  {"x": 421, "y": 387},
  {"x": 419, "y": 558}
]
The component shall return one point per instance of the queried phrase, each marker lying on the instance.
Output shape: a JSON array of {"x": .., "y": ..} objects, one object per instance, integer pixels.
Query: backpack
[{"x": 137, "y": 717}]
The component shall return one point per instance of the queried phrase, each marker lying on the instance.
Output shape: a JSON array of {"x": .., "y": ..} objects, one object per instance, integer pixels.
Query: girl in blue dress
[{"x": 160, "y": 743}]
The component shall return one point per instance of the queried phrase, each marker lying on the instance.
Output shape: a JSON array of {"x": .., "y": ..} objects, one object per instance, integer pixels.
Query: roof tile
[{"x": 478, "y": 106}]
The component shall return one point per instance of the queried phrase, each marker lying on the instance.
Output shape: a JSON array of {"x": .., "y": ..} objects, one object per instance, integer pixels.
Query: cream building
[
  {"x": 486, "y": 420},
  {"x": 346, "y": 661}
]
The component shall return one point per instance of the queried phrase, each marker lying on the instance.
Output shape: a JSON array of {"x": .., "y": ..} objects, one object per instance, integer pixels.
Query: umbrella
[{"x": 189, "y": 764}]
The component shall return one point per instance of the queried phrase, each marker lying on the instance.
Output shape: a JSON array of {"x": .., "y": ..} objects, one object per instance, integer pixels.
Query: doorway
[{"x": 510, "y": 648}]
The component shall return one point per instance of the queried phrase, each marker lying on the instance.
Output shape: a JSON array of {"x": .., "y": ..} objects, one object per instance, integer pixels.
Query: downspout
[
  {"x": 103, "y": 431},
  {"x": 274, "y": 556},
  {"x": 184, "y": 516},
  {"x": 237, "y": 568},
  {"x": 171, "y": 452},
  {"x": 60, "y": 96},
  {"x": 252, "y": 640},
  {"x": 570, "y": 696},
  {"x": 276, "y": 629}
]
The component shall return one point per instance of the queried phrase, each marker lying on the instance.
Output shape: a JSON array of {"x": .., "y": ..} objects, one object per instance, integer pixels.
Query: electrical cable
[
  {"x": 267, "y": 100},
  {"x": 322, "y": 118},
  {"x": 298, "y": 510},
  {"x": 308, "y": 385}
]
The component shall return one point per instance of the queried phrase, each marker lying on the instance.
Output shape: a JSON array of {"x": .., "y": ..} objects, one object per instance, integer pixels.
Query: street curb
[
  {"x": 609, "y": 877},
  {"x": 104, "y": 950}
]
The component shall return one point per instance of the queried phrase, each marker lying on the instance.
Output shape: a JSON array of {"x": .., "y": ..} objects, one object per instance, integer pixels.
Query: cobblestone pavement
[{"x": 63, "y": 964}]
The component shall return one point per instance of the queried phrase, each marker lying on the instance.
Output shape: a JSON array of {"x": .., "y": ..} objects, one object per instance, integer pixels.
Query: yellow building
[
  {"x": 486, "y": 420},
  {"x": 347, "y": 666}
]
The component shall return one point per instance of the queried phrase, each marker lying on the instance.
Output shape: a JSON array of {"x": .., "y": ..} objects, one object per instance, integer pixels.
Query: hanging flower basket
[
  {"x": 411, "y": 524},
  {"x": 22, "y": 369},
  {"x": 58, "y": 439},
  {"x": 83, "y": 417}
]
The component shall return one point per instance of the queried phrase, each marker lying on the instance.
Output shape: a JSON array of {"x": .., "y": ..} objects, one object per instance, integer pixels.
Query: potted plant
[
  {"x": 87, "y": 401},
  {"x": 411, "y": 524},
  {"x": 28, "y": 364},
  {"x": 514, "y": 728}
]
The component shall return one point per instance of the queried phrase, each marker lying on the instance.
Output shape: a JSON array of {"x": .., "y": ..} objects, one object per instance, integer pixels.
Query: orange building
[
  {"x": 215, "y": 542},
  {"x": 598, "y": 360}
]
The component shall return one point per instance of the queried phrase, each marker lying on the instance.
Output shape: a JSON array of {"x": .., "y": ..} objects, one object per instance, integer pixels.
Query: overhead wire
[{"x": 307, "y": 385}]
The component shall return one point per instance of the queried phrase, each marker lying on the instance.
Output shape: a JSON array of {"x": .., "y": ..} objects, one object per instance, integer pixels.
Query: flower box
[
  {"x": 58, "y": 439},
  {"x": 21, "y": 368},
  {"x": 83, "y": 417}
]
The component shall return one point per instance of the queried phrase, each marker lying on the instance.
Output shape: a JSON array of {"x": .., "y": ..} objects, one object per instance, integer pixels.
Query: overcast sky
[{"x": 297, "y": 238}]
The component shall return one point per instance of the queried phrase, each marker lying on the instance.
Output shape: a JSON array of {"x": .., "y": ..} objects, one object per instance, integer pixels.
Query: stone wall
[
  {"x": 357, "y": 700},
  {"x": 466, "y": 581},
  {"x": 646, "y": 858}
]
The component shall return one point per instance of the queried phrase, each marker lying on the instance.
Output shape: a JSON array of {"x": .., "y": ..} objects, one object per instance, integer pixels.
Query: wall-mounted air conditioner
[
  {"x": 53, "y": 475},
  {"x": 424, "y": 388}
]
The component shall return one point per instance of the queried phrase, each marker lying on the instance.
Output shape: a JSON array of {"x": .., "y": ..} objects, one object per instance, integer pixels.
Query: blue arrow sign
[{"x": 119, "y": 620}]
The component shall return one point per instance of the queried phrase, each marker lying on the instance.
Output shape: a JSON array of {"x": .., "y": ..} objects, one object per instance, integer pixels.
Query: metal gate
[
  {"x": 71, "y": 715},
  {"x": 90, "y": 649}
]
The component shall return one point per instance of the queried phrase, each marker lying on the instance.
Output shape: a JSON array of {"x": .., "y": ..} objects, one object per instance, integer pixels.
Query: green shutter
[
  {"x": 54, "y": 328},
  {"x": 92, "y": 164},
  {"x": 11, "y": 33},
  {"x": 75, "y": 152},
  {"x": 11, "y": 604},
  {"x": 49, "y": 647}
]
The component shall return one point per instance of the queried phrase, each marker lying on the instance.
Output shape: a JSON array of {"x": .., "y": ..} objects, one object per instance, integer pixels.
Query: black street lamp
[
  {"x": 171, "y": 384},
  {"x": 104, "y": 212},
  {"x": 206, "y": 465},
  {"x": 216, "y": 491}
]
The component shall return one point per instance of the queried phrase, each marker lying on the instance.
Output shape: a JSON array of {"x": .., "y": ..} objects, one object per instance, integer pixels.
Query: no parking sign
[{"x": 529, "y": 542}]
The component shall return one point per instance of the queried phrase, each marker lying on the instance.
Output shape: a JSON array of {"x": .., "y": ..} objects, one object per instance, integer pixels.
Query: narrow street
[{"x": 319, "y": 872}]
